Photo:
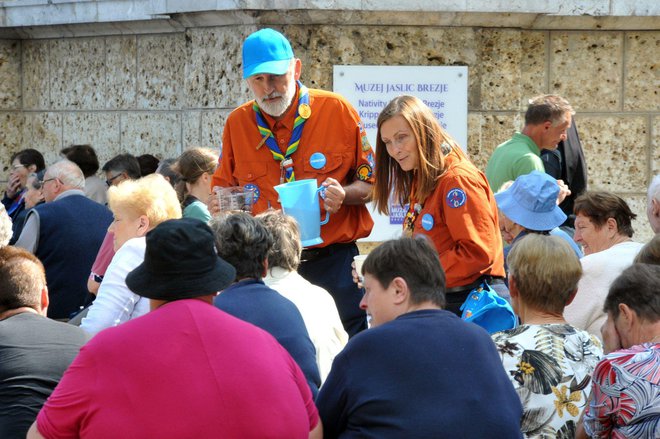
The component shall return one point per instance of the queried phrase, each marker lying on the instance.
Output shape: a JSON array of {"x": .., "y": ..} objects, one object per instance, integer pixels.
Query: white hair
[
  {"x": 68, "y": 173},
  {"x": 5, "y": 227},
  {"x": 654, "y": 189}
]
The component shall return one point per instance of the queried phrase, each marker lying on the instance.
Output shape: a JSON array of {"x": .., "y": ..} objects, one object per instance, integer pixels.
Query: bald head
[{"x": 60, "y": 177}]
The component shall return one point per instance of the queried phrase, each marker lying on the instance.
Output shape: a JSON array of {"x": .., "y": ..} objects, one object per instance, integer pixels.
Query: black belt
[
  {"x": 477, "y": 283},
  {"x": 314, "y": 254}
]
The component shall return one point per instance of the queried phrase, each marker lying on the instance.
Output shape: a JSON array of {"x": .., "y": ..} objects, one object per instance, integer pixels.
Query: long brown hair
[{"x": 429, "y": 137}]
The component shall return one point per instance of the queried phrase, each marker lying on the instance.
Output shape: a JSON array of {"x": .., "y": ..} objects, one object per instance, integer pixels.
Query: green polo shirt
[{"x": 517, "y": 156}]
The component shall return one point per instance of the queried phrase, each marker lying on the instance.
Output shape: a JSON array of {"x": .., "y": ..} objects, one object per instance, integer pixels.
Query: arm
[
  {"x": 13, "y": 189},
  {"x": 317, "y": 432},
  {"x": 552, "y": 162},
  {"x": 564, "y": 191},
  {"x": 603, "y": 401},
  {"x": 100, "y": 266},
  {"x": 579, "y": 432},
  {"x": 29, "y": 239},
  {"x": 115, "y": 302},
  {"x": 6, "y": 201},
  {"x": 473, "y": 228},
  {"x": 358, "y": 192},
  {"x": 306, "y": 395},
  {"x": 332, "y": 400},
  {"x": 92, "y": 285},
  {"x": 33, "y": 432}
]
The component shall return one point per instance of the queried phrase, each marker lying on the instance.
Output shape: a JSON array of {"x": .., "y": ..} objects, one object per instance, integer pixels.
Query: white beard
[{"x": 276, "y": 109}]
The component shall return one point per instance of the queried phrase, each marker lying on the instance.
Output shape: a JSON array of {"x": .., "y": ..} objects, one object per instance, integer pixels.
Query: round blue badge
[
  {"x": 317, "y": 160},
  {"x": 456, "y": 198},
  {"x": 256, "y": 190},
  {"x": 427, "y": 221}
]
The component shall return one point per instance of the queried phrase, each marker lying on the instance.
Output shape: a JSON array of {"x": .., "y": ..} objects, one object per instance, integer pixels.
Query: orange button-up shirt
[
  {"x": 460, "y": 217},
  {"x": 333, "y": 129}
]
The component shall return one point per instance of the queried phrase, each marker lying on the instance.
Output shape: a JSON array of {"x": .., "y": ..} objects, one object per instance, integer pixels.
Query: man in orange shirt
[{"x": 289, "y": 132}]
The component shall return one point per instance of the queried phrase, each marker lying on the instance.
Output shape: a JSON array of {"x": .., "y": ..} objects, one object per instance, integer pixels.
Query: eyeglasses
[
  {"x": 43, "y": 182},
  {"x": 111, "y": 179},
  {"x": 17, "y": 167}
]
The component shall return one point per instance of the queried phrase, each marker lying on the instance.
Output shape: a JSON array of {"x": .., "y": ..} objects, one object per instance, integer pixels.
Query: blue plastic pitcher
[{"x": 300, "y": 200}]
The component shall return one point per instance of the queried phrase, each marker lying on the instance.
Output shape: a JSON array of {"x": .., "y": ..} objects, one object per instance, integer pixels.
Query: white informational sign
[{"x": 370, "y": 88}]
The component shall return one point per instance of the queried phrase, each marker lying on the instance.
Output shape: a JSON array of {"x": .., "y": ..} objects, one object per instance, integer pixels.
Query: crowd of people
[{"x": 135, "y": 306}]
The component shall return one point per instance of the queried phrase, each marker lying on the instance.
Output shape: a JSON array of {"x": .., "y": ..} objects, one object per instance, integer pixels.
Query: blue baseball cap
[
  {"x": 266, "y": 51},
  {"x": 531, "y": 202}
]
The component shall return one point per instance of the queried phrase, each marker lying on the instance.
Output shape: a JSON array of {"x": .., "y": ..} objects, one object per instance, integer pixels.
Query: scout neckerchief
[
  {"x": 414, "y": 207},
  {"x": 411, "y": 216},
  {"x": 302, "y": 114}
]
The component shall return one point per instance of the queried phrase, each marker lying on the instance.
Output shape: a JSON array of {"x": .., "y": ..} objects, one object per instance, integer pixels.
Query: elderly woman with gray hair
[
  {"x": 548, "y": 361},
  {"x": 315, "y": 304}
]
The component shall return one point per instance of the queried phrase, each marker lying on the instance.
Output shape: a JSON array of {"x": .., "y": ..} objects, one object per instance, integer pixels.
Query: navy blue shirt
[
  {"x": 425, "y": 374},
  {"x": 254, "y": 302}
]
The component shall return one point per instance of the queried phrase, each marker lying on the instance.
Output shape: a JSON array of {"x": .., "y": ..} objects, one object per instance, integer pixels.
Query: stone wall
[{"x": 160, "y": 93}]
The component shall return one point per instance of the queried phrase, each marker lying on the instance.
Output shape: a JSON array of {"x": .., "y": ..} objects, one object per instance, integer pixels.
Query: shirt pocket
[
  {"x": 250, "y": 172},
  {"x": 334, "y": 167}
]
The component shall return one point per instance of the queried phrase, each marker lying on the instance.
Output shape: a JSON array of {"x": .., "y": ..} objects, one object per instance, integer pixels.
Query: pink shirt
[
  {"x": 186, "y": 369},
  {"x": 104, "y": 256}
]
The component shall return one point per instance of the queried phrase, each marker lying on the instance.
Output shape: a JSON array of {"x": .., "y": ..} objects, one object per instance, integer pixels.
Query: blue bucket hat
[
  {"x": 531, "y": 202},
  {"x": 266, "y": 51}
]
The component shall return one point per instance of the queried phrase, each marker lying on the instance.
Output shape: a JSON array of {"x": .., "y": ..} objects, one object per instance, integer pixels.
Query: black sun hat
[{"x": 180, "y": 262}]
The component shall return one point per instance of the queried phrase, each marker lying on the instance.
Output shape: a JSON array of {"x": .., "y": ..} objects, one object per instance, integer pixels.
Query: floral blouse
[
  {"x": 626, "y": 394},
  {"x": 550, "y": 367}
]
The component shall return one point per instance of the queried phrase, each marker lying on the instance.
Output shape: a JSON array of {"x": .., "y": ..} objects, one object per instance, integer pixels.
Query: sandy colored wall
[{"x": 160, "y": 93}]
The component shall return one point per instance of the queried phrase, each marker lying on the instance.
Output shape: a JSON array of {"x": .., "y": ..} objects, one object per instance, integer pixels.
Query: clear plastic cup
[
  {"x": 235, "y": 198},
  {"x": 359, "y": 260}
]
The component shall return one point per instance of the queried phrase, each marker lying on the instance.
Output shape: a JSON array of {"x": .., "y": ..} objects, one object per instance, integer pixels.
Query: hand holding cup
[{"x": 358, "y": 278}]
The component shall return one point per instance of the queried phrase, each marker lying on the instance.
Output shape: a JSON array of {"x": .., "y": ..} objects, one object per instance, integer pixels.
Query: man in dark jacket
[{"x": 567, "y": 163}]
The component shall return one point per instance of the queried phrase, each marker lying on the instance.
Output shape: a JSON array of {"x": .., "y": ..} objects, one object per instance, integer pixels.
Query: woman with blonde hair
[
  {"x": 450, "y": 201},
  {"x": 138, "y": 206},
  {"x": 548, "y": 361},
  {"x": 196, "y": 167}
]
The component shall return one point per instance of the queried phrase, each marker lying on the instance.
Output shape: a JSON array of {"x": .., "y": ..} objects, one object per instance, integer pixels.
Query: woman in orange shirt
[{"x": 418, "y": 164}]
